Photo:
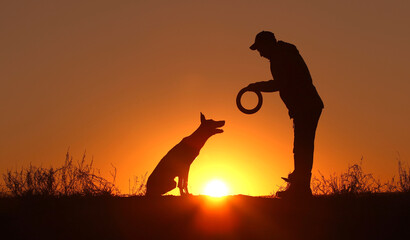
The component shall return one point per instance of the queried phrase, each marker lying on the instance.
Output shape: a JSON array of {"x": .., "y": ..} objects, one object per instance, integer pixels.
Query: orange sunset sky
[{"x": 126, "y": 80}]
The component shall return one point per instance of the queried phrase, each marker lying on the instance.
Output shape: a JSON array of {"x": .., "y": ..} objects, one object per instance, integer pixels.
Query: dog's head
[{"x": 211, "y": 126}]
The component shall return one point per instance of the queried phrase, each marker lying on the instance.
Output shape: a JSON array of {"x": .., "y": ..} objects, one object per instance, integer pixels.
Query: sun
[{"x": 216, "y": 188}]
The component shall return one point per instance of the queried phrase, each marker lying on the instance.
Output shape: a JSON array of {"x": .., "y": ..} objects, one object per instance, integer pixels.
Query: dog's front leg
[
  {"x": 181, "y": 186},
  {"x": 185, "y": 182},
  {"x": 186, "y": 185},
  {"x": 186, "y": 188}
]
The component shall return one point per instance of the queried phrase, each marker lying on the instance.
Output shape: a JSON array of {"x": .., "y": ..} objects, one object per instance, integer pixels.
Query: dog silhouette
[{"x": 177, "y": 161}]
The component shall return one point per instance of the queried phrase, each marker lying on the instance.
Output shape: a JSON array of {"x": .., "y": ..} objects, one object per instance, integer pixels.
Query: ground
[{"x": 384, "y": 216}]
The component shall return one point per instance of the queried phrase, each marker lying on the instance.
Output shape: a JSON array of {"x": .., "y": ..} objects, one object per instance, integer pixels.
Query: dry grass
[
  {"x": 355, "y": 181},
  {"x": 79, "y": 179},
  {"x": 138, "y": 186},
  {"x": 404, "y": 178}
]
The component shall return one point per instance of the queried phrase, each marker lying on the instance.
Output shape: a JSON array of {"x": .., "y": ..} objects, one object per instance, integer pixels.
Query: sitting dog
[{"x": 177, "y": 161}]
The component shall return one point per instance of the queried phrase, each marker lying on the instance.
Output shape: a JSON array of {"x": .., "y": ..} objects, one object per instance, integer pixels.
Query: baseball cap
[{"x": 264, "y": 37}]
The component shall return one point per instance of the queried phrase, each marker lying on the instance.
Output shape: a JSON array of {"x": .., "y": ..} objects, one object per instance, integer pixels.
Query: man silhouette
[{"x": 294, "y": 83}]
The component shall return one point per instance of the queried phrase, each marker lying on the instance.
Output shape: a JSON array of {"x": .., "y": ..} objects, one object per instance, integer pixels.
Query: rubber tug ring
[{"x": 248, "y": 111}]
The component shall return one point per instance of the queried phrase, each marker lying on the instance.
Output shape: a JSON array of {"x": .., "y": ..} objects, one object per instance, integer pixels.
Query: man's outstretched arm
[{"x": 265, "y": 86}]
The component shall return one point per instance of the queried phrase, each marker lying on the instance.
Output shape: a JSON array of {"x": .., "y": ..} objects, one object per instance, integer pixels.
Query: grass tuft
[
  {"x": 79, "y": 179},
  {"x": 355, "y": 182},
  {"x": 138, "y": 186}
]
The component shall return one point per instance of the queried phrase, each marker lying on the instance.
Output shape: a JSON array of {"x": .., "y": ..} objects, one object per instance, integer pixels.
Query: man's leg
[
  {"x": 304, "y": 142},
  {"x": 303, "y": 148}
]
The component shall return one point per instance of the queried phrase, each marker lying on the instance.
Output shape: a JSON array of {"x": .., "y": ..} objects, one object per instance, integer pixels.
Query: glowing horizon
[{"x": 216, "y": 188}]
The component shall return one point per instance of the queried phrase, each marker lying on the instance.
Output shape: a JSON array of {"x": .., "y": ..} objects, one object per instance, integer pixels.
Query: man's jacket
[{"x": 293, "y": 81}]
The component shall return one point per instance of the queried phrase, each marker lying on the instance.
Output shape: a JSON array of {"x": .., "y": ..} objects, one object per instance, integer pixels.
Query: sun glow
[{"x": 216, "y": 188}]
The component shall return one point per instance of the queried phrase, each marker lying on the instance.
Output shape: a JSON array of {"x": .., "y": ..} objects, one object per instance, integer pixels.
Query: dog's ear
[{"x": 202, "y": 118}]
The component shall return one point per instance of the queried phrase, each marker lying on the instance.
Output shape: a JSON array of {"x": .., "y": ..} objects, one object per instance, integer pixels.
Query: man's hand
[{"x": 252, "y": 87}]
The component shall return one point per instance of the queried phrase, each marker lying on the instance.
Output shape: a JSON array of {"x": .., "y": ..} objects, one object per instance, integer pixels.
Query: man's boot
[{"x": 298, "y": 187}]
